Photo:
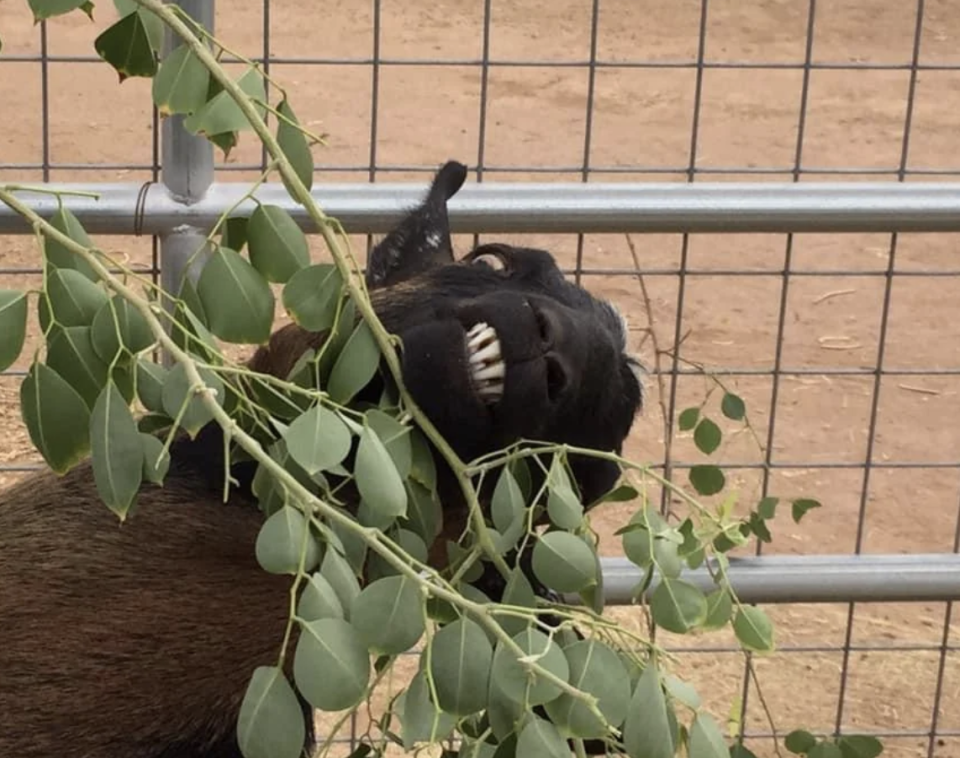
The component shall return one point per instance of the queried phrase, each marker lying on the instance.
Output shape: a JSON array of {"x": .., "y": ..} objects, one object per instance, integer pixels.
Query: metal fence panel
[{"x": 748, "y": 308}]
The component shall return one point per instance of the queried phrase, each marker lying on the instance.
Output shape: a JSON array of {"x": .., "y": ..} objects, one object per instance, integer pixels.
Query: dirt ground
[{"x": 642, "y": 117}]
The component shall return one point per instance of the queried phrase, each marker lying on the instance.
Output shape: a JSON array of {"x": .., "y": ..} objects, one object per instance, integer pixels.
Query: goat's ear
[{"x": 422, "y": 240}]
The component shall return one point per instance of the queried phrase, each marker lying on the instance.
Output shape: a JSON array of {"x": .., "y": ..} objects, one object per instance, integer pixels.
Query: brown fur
[
  {"x": 281, "y": 353},
  {"x": 137, "y": 605},
  {"x": 136, "y": 598}
]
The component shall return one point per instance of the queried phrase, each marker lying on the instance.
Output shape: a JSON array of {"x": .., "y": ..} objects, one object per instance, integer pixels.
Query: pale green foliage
[{"x": 483, "y": 664}]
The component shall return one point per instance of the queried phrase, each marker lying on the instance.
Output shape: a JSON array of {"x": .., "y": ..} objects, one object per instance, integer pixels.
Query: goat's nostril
[
  {"x": 544, "y": 328},
  {"x": 556, "y": 379}
]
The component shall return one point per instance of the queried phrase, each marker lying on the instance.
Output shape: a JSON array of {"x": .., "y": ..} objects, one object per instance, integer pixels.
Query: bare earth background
[{"x": 642, "y": 117}]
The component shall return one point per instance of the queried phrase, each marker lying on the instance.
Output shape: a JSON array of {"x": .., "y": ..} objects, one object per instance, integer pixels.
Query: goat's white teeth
[
  {"x": 491, "y": 391},
  {"x": 487, "y": 368},
  {"x": 492, "y": 371},
  {"x": 480, "y": 335},
  {"x": 486, "y": 354}
]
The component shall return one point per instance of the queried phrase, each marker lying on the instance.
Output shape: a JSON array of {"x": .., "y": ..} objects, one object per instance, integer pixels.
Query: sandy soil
[{"x": 642, "y": 117}]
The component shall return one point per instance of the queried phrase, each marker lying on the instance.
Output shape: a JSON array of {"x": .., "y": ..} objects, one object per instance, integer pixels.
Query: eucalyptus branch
[
  {"x": 357, "y": 289},
  {"x": 374, "y": 538},
  {"x": 543, "y": 448},
  {"x": 41, "y": 190}
]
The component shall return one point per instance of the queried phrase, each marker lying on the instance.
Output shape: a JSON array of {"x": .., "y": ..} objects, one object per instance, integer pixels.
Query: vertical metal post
[{"x": 187, "y": 173}]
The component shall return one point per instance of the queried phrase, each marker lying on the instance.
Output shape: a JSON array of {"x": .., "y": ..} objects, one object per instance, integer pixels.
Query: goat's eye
[{"x": 494, "y": 261}]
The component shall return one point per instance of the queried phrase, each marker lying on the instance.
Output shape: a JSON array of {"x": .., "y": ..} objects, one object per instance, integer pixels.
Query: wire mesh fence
[{"x": 845, "y": 346}]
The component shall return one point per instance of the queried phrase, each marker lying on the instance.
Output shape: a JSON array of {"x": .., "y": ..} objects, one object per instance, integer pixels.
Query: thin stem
[{"x": 351, "y": 277}]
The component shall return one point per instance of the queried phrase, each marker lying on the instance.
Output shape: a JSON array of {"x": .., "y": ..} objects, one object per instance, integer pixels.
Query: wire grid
[{"x": 931, "y": 733}]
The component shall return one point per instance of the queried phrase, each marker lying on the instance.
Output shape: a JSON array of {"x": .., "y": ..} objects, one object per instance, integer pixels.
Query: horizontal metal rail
[
  {"x": 812, "y": 578},
  {"x": 504, "y": 207}
]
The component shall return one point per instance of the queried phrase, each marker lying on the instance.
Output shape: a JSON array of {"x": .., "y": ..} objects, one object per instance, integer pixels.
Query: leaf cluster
[{"x": 521, "y": 676}]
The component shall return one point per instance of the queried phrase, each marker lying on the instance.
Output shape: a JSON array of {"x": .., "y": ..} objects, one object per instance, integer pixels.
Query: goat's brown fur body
[{"x": 131, "y": 607}]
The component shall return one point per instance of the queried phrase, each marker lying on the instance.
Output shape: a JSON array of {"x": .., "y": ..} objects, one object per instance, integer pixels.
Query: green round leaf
[
  {"x": 44, "y": 9},
  {"x": 707, "y": 436},
  {"x": 799, "y": 741},
  {"x": 388, "y": 615},
  {"x": 311, "y": 296},
  {"x": 318, "y": 440},
  {"x": 460, "y": 656},
  {"x": 234, "y": 234},
  {"x": 331, "y": 666},
  {"x": 189, "y": 331},
  {"x": 355, "y": 366},
  {"x": 13, "y": 326},
  {"x": 667, "y": 557},
  {"x": 506, "y": 506},
  {"x": 719, "y": 610},
  {"x": 825, "y": 750},
  {"x": 181, "y": 83},
  {"x": 859, "y": 746},
  {"x": 156, "y": 460},
  {"x": 341, "y": 577},
  {"x": 593, "y": 595},
  {"x": 150, "y": 380},
  {"x": 564, "y": 507},
  {"x": 518, "y": 682},
  {"x": 319, "y": 600},
  {"x": 423, "y": 468},
  {"x": 620, "y": 494},
  {"x": 563, "y": 504},
  {"x": 640, "y": 543},
  {"x": 424, "y": 513},
  {"x": 270, "y": 724},
  {"x": 767, "y": 507},
  {"x": 706, "y": 739},
  {"x": 278, "y": 248},
  {"x": 395, "y": 438},
  {"x": 377, "y": 477},
  {"x": 518, "y": 592},
  {"x": 56, "y": 417},
  {"x": 294, "y": 144},
  {"x": 70, "y": 353},
  {"x": 688, "y": 419},
  {"x": 117, "y": 451},
  {"x": 220, "y": 115},
  {"x": 236, "y": 299},
  {"x": 540, "y": 739},
  {"x": 598, "y": 671},
  {"x": 337, "y": 337},
  {"x": 733, "y": 407},
  {"x": 118, "y": 324},
  {"x": 678, "y": 606},
  {"x": 707, "y": 480},
  {"x": 564, "y": 562},
  {"x": 126, "y": 46},
  {"x": 282, "y": 539},
  {"x": 647, "y": 732},
  {"x": 421, "y": 720},
  {"x": 801, "y": 506},
  {"x": 178, "y": 391},
  {"x": 58, "y": 255},
  {"x": 410, "y": 542},
  {"x": 71, "y": 299},
  {"x": 503, "y": 713},
  {"x": 681, "y": 691},
  {"x": 753, "y": 629},
  {"x": 638, "y": 546}
]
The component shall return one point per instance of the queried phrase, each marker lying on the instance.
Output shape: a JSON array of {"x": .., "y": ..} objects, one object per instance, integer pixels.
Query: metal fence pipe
[
  {"x": 812, "y": 578},
  {"x": 187, "y": 174},
  {"x": 506, "y": 207}
]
